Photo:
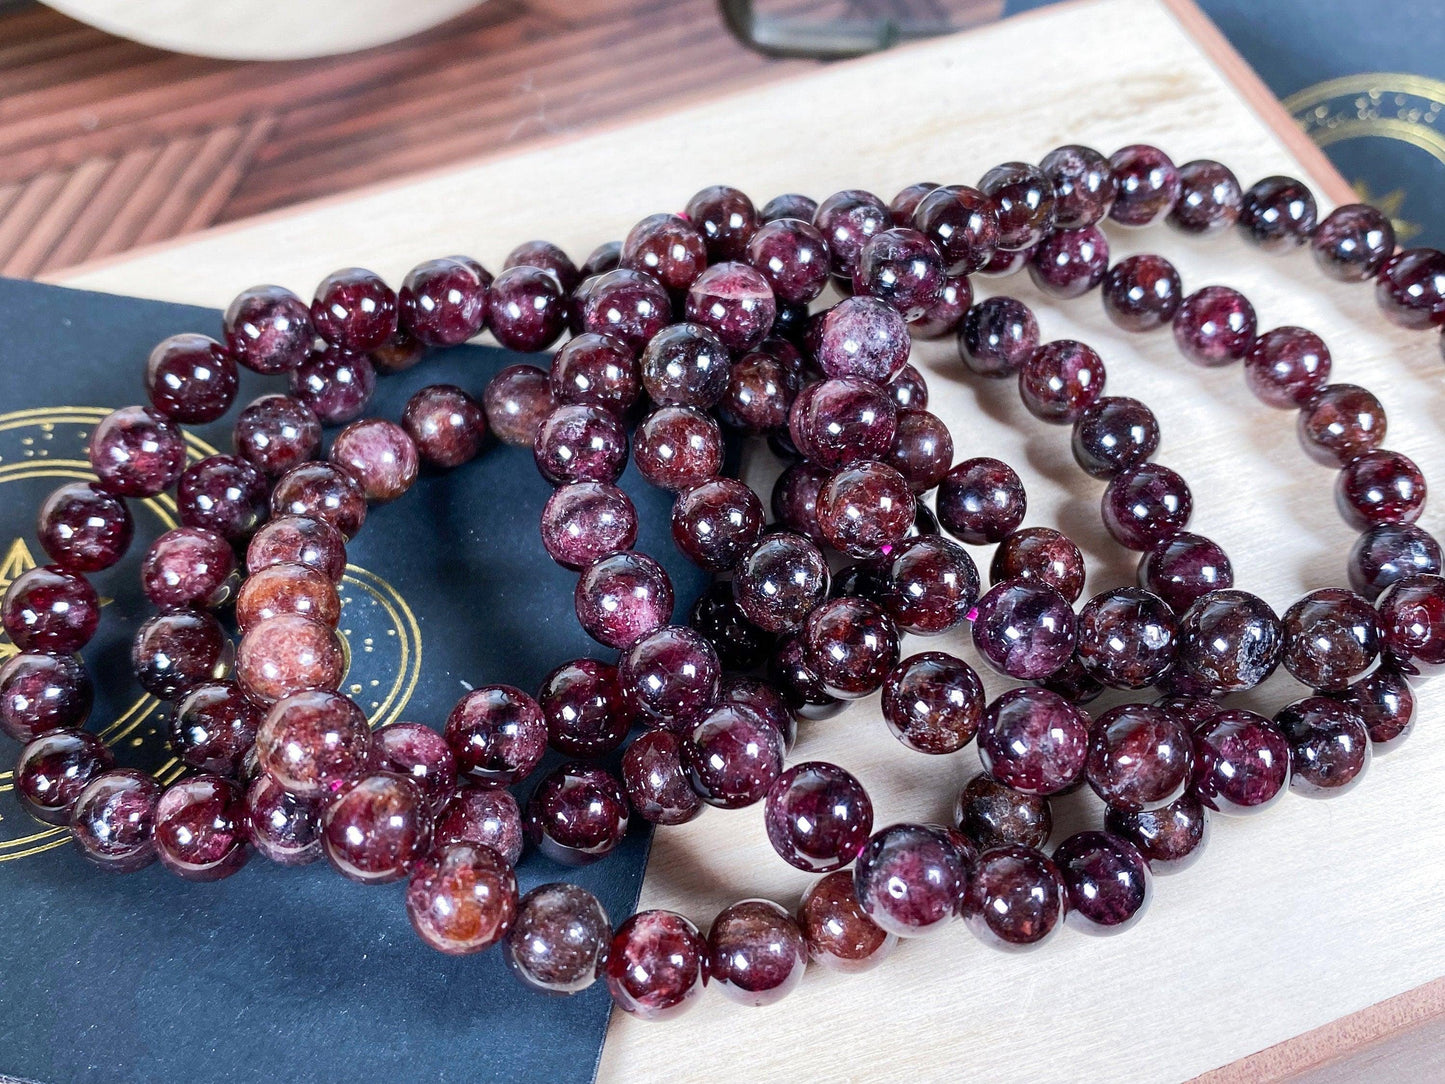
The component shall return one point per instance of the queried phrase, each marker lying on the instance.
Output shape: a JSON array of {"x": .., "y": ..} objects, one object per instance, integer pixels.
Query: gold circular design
[{"x": 1391, "y": 105}]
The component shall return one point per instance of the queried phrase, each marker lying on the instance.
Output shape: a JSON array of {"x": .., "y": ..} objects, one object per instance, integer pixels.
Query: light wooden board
[{"x": 1294, "y": 919}]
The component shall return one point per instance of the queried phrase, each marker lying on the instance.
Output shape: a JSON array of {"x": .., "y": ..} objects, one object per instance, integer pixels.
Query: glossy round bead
[
  {"x": 580, "y": 443},
  {"x": 735, "y": 302},
  {"x": 1034, "y": 741},
  {"x": 1040, "y": 555},
  {"x": 685, "y": 365},
  {"x": 1379, "y": 486},
  {"x": 1353, "y": 242},
  {"x": 1108, "y": 882},
  {"x": 1277, "y": 214},
  {"x": 981, "y": 501},
  {"x": 802, "y": 689},
  {"x": 740, "y": 644},
  {"x": 902, "y": 205},
  {"x": 1146, "y": 504},
  {"x": 275, "y": 433},
  {"x": 761, "y": 388},
  {"x": 909, "y": 877},
  {"x": 1340, "y": 423},
  {"x": 53, "y": 769},
  {"x": 789, "y": 205},
  {"x": 83, "y": 528},
  {"x": 486, "y": 816},
  {"x": 1126, "y": 638},
  {"x": 190, "y": 378},
  {"x": 678, "y": 447},
  {"x": 933, "y": 702},
  {"x": 1385, "y": 554},
  {"x": 1060, "y": 380},
  {"x": 443, "y": 302},
  {"x": 1142, "y": 292},
  {"x": 298, "y": 540},
  {"x": 851, "y": 644},
  {"x": 584, "y": 521},
  {"x": 517, "y": 400},
  {"x": 1015, "y": 898},
  {"x": 1228, "y": 641},
  {"x": 213, "y": 727},
  {"x": 909, "y": 389},
  {"x": 656, "y": 965},
  {"x": 716, "y": 522},
  {"x": 289, "y": 653},
  {"x": 200, "y": 828},
  {"x": 548, "y": 257},
  {"x": 595, "y": 369},
  {"x": 862, "y": 337},
  {"x": 668, "y": 247},
  {"x": 818, "y": 817},
  {"x": 380, "y": 455},
  {"x": 321, "y": 491},
  {"x": 335, "y": 383},
  {"x": 670, "y": 676},
  {"x": 840, "y": 421},
  {"x": 847, "y": 220},
  {"x": 136, "y": 452},
  {"x": 497, "y": 734},
  {"x": 725, "y": 217},
  {"x": 1024, "y": 199},
  {"x": 1184, "y": 566},
  {"x": 41, "y": 692},
  {"x": 733, "y": 756},
  {"x": 622, "y": 597},
  {"x": 761, "y": 698},
  {"x": 1214, "y": 326},
  {"x": 1084, "y": 185},
  {"x": 446, "y": 424},
  {"x": 377, "y": 829},
  {"x": 354, "y": 309},
  {"x": 1330, "y": 638},
  {"x": 997, "y": 336},
  {"x": 1140, "y": 757},
  {"x": 113, "y": 820},
  {"x": 283, "y": 828},
  {"x": 865, "y": 508},
  {"x": 922, "y": 450},
  {"x": 461, "y": 898},
  {"x": 1146, "y": 184},
  {"x": 756, "y": 952},
  {"x": 1024, "y": 629},
  {"x": 1386, "y": 703},
  {"x": 399, "y": 353},
  {"x": 901, "y": 267},
  {"x": 1287, "y": 367},
  {"x": 1412, "y": 620},
  {"x": 268, "y": 329},
  {"x": 49, "y": 609},
  {"x": 992, "y": 815},
  {"x": 558, "y": 939},
  {"x": 962, "y": 224},
  {"x": 795, "y": 498},
  {"x": 839, "y": 936},
  {"x": 189, "y": 567},
  {"x": 224, "y": 494},
  {"x": 577, "y": 814},
  {"x": 422, "y": 755},
  {"x": 793, "y": 257},
  {"x": 1242, "y": 762},
  {"x": 526, "y": 309},
  {"x": 1329, "y": 745},
  {"x": 1070, "y": 263},
  {"x": 931, "y": 585},
  {"x": 1171, "y": 838},
  {"x": 780, "y": 580},
  {"x": 626, "y": 304},
  {"x": 313, "y": 742},
  {"x": 1210, "y": 199},
  {"x": 655, "y": 780}
]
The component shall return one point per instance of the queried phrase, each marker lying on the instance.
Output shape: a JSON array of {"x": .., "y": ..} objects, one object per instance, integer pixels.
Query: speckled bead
[
  {"x": 756, "y": 952},
  {"x": 1034, "y": 741},
  {"x": 1108, "y": 881},
  {"x": 1242, "y": 763},
  {"x": 1015, "y": 898}
]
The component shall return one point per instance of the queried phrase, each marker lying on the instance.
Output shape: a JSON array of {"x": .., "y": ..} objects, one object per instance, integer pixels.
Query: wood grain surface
[{"x": 1294, "y": 919}]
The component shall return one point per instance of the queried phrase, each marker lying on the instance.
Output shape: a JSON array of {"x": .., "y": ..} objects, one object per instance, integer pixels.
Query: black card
[{"x": 276, "y": 973}]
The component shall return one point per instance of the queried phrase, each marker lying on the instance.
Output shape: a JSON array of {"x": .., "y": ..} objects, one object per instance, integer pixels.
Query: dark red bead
[
  {"x": 136, "y": 452},
  {"x": 1353, "y": 242},
  {"x": 1386, "y": 554},
  {"x": 1108, "y": 881},
  {"x": 1329, "y": 745},
  {"x": 902, "y": 267},
  {"x": 1184, "y": 566},
  {"x": 83, "y": 528},
  {"x": 526, "y": 309},
  {"x": 756, "y": 952},
  {"x": 1277, "y": 214},
  {"x": 398, "y": 354},
  {"x": 354, "y": 309},
  {"x": 268, "y": 329},
  {"x": 559, "y": 939},
  {"x": 486, "y": 816},
  {"x": 622, "y": 597},
  {"x": 299, "y": 540},
  {"x": 793, "y": 257},
  {"x": 865, "y": 508},
  {"x": 287, "y": 589},
  {"x": 736, "y": 303},
  {"x": 49, "y": 609},
  {"x": 1113, "y": 434},
  {"x": 1146, "y": 184},
  {"x": 657, "y": 965},
  {"x": 595, "y": 369},
  {"x": 933, "y": 702},
  {"x": 1210, "y": 199},
  {"x": 789, "y": 205},
  {"x": 497, "y": 734},
  {"x": 795, "y": 498},
  {"x": 580, "y": 443},
  {"x": 841, "y": 421},
  {"x": 762, "y": 699},
  {"x": 548, "y": 257},
  {"x": 668, "y": 247},
  {"x": 945, "y": 315},
  {"x": 1379, "y": 486},
  {"x": 670, "y": 676},
  {"x": 1242, "y": 762},
  {"x": 422, "y": 755},
  {"x": 862, "y": 337},
  {"x": 740, "y": 644},
  {"x": 686, "y": 365},
  {"x": 577, "y": 814},
  {"x": 1410, "y": 288},
  {"x": 1287, "y": 367},
  {"x": 443, "y": 302},
  {"x": 1024, "y": 199},
  {"x": 1024, "y": 629},
  {"x": 655, "y": 781},
  {"x": 902, "y": 205},
  {"x": 931, "y": 586},
  {"x": 1060, "y": 380},
  {"x": 780, "y": 580},
  {"x": 761, "y": 389},
  {"x": 1084, "y": 185},
  {"x": 733, "y": 756},
  {"x": 1214, "y": 326},
  {"x": 1341, "y": 422},
  {"x": 380, "y": 455},
  {"x": 517, "y": 399},
  {"x": 54, "y": 768},
  {"x": 1386, "y": 703},
  {"x": 335, "y": 383},
  {"x": 43, "y": 692},
  {"x": 377, "y": 829},
  {"x": 1070, "y": 263},
  {"x": 998, "y": 336},
  {"x": 1142, "y": 292},
  {"x": 993, "y": 815},
  {"x": 1412, "y": 621},
  {"x": 223, "y": 494},
  {"x": 461, "y": 898},
  {"x": 201, "y": 828},
  {"x": 284, "y": 828},
  {"x": 802, "y": 689},
  {"x": 113, "y": 821},
  {"x": 1034, "y": 741},
  {"x": 626, "y": 304},
  {"x": 962, "y": 223},
  {"x": 715, "y": 522},
  {"x": 289, "y": 653},
  {"x": 584, "y": 521},
  {"x": 678, "y": 447},
  {"x": 313, "y": 742},
  {"x": 1126, "y": 638},
  {"x": 1146, "y": 504},
  {"x": 275, "y": 433},
  {"x": 910, "y": 877},
  {"x": 847, "y": 220},
  {"x": 818, "y": 817},
  {"x": 447, "y": 425},
  {"x": 922, "y": 450},
  {"x": 1141, "y": 757},
  {"x": 1015, "y": 898},
  {"x": 981, "y": 501},
  {"x": 1330, "y": 638},
  {"x": 1171, "y": 839},
  {"x": 727, "y": 219},
  {"x": 1229, "y": 641},
  {"x": 851, "y": 645},
  {"x": 839, "y": 935},
  {"x": 190, "y": 378},
  {"x": 175, "y": 651},
  {"x": 213, "y": 727}
]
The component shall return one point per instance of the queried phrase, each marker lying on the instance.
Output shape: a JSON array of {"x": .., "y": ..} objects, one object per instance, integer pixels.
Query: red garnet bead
[
  {"x": 801, "y": 688},
  {"x": 862, "y": 337},
  {"x": 846, "y": 220},
  {"x": 1379, "y": 486},
  {"x": 1141, "y": 293},
  {"x": 818, "y": 817},
  {"x": 678, "y": 447},
  {"x": 840, "y": 936},
  {"x": 377, "y": 829},
  {"x": 577, "y": 814},
  {"x": 990, "y": 815},
  {"x": 622, "y": 597},
  {"x": 596, "y": 369},
  {"x": 313, "y": 742},
  {"x": 735, "y": 302},
  {"x": 1171, "y": 839},
  {"x": 516, "y": 400},
  {"x": 933, "y": 702},
  {"x": 380, "y": 455},
  {"x": 1384, "y": 555},
  {"x": 190, "y": 378},
  {"x": 443, "y": 302},
  {"x": 462, "y": 898},
  {"x": 422, "y": 755},
  {"x": 213, "y": 727},
  {"x": 225, "y": 494},
  {"x": 275, "y": 433},
  {"x": 1341, "y": 422},
  {"x": 1329, "y": 745},
  {"x": 655, "y": 781},
  {"x": 283, "y": 828},
  {"x": 585, "y": 521},
  {"x": 931, "y": 585},
  {"x": 922, "y": 449},
  {"x": 583, "y": 705},
  {"x": 526, "y": 309},
  {"x": 497, "y": 734},
  {"x": 114, "y": 818},
  {"x": 1229, "y": 641},
  {"x": 762, "y": 385},
  {"x": 287, "y": 588},
  {"x": 733, "y": 756},
  {"x": 1146, "y": 183},
  {"x": 903, "y": 268},
  {"x": 726, "y": 219},
  {"x": 1242, "y": 762},
  {"x": 1084, "y": 185},
  {"x": 795, "y": 498},
  {"x": 1070, "y": 263},
  {"x": 1040, "y": 555},
  {"x": 580, "y": 443},
  {"x": 1126, "y": 638},
  {"x": 1209, "y": 200},
  {"x": 289, "y": 653},
  {"x": 627, "y": 304},
  {"x": 41, "y": 692},
  {"x": 53, "y": 769},
  {"x": 335, "y": 383},
  {"x": 670, "y": 676},
  {"x": 1146, "y": 504},
  {"x": 354, "y": 309},
  {"x": 201, "y": 828},
  {"x": 485, "y": 816},
  {"x": 268, "y": 329},
  {"x": 136, "y": 452},
  {"x": 447, "y": 424},
  {"x": 1410, "y": 288},
  {"x": 841, "y": 421},
  {"x": 321, "y": 491},
  {"x": 1140, "y": 757},
  {"x": 1287, "y": 367},
  {"x": 189, "y": 567},
  {"x": 559, "y": 939},
  {"x": 851, "y": 644},
  {"x": 1412, "y": 621},
  {"x": 715, "y": 522},
  {"x": 668, "y": 247},
  {"x": 1214, "y": 326},
  {"x": 1277, "y": 214},
  {"x": 1034, "y": 741},
  {"x": 981, "y": 501},
  {"x": 657, "y": 965},
  {"x": 548, "y": 257},
  {"x": 1353, "y": 242},
  {"x": 865, "y": 509},
  {"x": 1024, "y": 199},
  {"x": 1060, "y": 380},
  {"x": 51, "y": 610},
  {"x": 756, "y": 952},
  {"x": 1015, "y": 898},
  {"x": 909, "y": 877},
  {"x": 1183, "y": 567},
  {"x": 1108, "y": 881},
  {"x": 1386, "y": 703},
  {"x": 83, "y": 528},
  {"x": 298, "y": 540},
  {"x": 1025, "y": 630},
  {"x": 997, "y": 336},
  {"x": 685, "y": 365},
  {"x": 780, "y": 580},
  {"x": 793, "y": 257},
  {"x": 1331, "y": 636}
]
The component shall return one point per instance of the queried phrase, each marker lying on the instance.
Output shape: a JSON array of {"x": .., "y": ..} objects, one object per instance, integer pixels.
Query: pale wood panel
[{"x": 1296, "y": 918}]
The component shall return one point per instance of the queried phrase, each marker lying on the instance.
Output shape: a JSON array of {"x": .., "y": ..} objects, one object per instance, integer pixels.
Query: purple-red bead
[
  {"x": 577, "y": 814},
  {"x": 818, "y": 817},
  {"x": 909, "y": 878},
  {"x": 1034, "y": 741},
  {"x": 657, "y": 965},
  {"x": 1015, "y": 898},
  {"x": 756, "y": 952},
  {"x": 1242, "y": 762},
  {"x": 1108, "y": 881}
]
